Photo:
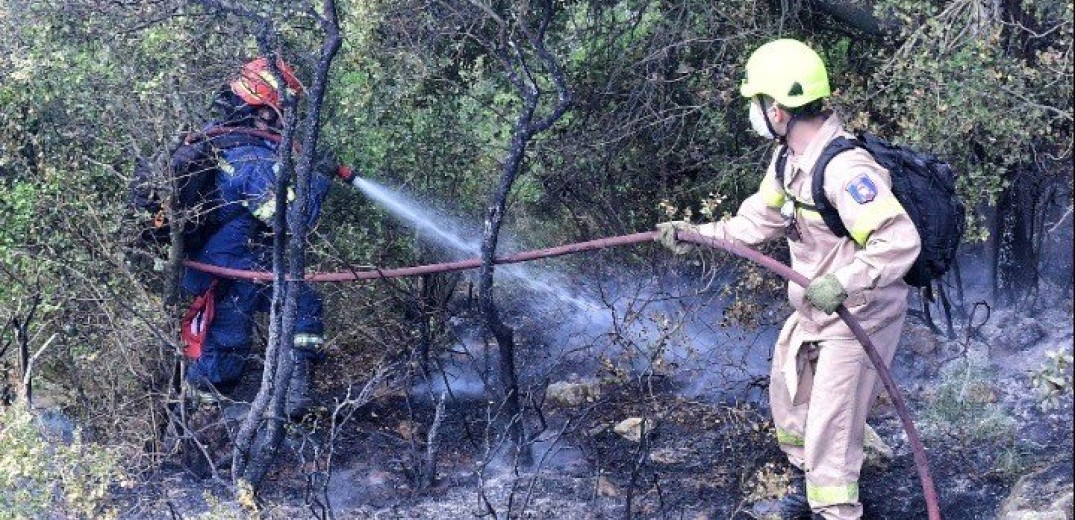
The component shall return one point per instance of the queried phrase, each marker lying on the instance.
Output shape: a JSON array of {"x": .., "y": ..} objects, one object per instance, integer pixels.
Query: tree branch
[{"x": 858, "y": 17}]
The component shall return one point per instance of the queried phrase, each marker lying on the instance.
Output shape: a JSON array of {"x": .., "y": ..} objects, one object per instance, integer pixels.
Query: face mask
[{"x": 757, "y": 121}]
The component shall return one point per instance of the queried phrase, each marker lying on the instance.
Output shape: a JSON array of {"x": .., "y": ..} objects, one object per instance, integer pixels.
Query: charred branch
[
  {"x": 858, "y": 16},
  {"x": 21, "y": 326},
  {"x": 251, "y": 462},
  {"x": 513, "y": 56}
]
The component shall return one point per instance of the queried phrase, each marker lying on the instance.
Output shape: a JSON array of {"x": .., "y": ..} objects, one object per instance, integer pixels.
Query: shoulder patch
[{"x": 862, "y": 189}]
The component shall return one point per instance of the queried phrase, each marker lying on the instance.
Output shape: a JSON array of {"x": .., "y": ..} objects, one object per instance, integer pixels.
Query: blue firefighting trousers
[{"x": 230, "y": 335}]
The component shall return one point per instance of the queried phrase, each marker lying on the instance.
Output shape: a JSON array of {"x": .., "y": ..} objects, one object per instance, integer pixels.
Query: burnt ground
[
  {"x": 701, "y": 461},
  {"x": 701, "y": 458}
]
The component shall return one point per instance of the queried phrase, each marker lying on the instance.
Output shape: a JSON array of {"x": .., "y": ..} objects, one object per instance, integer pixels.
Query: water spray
[
  {"x": 919, "y": 451},
  {"x": 345, "y": 173},
  {"x": 448, "y": 233},
  {"x": 394, "y": 203}
]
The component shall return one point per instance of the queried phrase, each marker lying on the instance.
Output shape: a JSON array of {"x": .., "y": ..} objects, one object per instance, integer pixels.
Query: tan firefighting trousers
[{"x": 821, "y": 424}]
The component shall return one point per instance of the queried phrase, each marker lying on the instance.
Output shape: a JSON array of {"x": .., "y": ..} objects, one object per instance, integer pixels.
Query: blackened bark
[
  {"x": 425, "y": 331},
  {"x": 1016, "y": 255},
  {"x": 859, "y": 16},
  {"x": 21, "y": 327},
  {"x": 433, "y": 294},
  {"x": 251, "y": 462},
  {"x": 505, "y": 336},
  {"x": 514, "y": 61}
]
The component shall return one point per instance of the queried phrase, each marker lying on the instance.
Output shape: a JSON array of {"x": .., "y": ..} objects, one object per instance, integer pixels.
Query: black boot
[
  {"x": 298, "y": 390},
  {"x": 202, "y": 393},
  {"x": 794, "y": 505}
]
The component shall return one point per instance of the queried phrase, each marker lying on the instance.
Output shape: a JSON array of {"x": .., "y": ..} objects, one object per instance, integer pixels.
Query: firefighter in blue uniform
[{"x": 242, "y": 239}]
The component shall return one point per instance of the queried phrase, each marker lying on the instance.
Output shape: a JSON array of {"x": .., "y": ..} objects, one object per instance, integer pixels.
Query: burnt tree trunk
[
  {"x": 1015, "y": 254},
  {"x": 427, "y": 311},
  {"x": 516, "y": 63},
  {"x": 258, "y": 441},
  {"x": 504, "y": 335},
  {"x": 21, "y": 327}
]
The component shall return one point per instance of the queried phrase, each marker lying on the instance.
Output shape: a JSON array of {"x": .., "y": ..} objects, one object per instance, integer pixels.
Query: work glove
[
  {"x": 826, "y": 293},
  {"x": 327, "y": 166},
  {"x": 666, "y": 235}
]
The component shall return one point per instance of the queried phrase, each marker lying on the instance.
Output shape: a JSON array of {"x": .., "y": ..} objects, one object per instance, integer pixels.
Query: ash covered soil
[{"x": 997, "y": 448}]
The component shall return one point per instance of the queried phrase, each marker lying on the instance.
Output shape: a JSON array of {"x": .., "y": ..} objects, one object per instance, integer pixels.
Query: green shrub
[
  {"x": 1054, "y": 378},
  {"x": 39, "y": 473},
  {"x": 965, "y": 417}
]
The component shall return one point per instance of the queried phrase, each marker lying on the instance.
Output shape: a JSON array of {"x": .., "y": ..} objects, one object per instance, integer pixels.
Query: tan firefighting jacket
[{"x": 870, "y": 264}]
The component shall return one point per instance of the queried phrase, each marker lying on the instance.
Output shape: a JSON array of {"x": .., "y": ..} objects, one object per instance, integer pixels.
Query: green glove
[
  {"x": 666, "y": 235},
  {"x": 826, "y": 293}
]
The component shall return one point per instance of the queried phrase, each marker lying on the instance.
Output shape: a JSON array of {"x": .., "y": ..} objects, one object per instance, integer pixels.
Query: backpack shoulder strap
[
  {"x": 828, "y": 212},
  {"x": 234, "y": 137},
  {"x": 222, "y": 136},
  {"x": 781, "y": 168},
  {"x": 781, "y": 164}
]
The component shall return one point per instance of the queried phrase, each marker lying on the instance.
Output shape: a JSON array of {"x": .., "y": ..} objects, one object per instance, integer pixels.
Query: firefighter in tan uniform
[{"x": 822, "y": 383}]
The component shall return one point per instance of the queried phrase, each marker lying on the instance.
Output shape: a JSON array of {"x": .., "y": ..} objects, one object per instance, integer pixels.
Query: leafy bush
[
  {"x": 40, "y": 473},
  {"x": 964, "y": 415},
  {"x": 1053, "y": 380}
]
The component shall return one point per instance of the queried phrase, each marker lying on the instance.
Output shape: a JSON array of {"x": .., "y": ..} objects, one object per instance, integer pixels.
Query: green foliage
[
  {"x": 965, "y": 402},
  {"x": 964, "y": 415},
  {"x": 224, "y": 510},
  {"x": 657, "y": 130},
  {"x": 1053, "y": 380},
  {"x": 958, "y": 86},
  {"x": 657, "y": 85},
  {"x": 87, "y": 94},
  {"x": 42, "y": 475}
]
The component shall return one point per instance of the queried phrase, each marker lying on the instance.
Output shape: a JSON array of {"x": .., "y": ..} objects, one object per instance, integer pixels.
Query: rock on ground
[
  {"x": 1045, "y": 494},
  {"x": 567, "y": 393}
]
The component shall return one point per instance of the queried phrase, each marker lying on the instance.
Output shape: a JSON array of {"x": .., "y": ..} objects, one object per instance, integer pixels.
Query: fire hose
[{"x": 918, "y": 450}]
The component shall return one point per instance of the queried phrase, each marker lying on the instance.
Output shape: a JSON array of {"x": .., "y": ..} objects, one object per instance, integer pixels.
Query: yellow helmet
[{"x": 787, "y": 71}]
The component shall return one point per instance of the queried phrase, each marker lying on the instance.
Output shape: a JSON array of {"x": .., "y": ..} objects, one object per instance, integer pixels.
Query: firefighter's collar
[{"x": 829, "y": 130}]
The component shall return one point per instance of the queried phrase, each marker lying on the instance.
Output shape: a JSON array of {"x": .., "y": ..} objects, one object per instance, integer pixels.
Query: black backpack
[
  {"x": 925, "y": 187},
  {"x": 187, "y": 187}
]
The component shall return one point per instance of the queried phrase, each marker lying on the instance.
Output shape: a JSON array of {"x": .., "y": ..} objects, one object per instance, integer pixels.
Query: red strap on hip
[{"x": 196, "y": 322}]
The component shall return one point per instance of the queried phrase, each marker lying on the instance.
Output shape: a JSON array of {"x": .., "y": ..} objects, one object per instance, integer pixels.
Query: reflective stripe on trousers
[
  {"x": 828, "y": 412},
  {"x": 304, "y": 341},
  {"x": 821, "y": 496}
]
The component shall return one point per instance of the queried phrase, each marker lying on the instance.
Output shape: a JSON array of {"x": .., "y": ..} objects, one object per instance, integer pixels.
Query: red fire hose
[{"x": 919, "y": 451}]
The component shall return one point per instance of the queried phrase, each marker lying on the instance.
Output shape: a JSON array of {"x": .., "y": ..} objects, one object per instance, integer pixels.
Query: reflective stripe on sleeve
[
  {"x": 821, "y": 496},
  {"x": 266, "y": 211},
  {"x": 872, "y": 216},
  {"x": 771, "y": 194},
  {"x": 225, "y": 166},
  {"x": 788, "y": 438}
]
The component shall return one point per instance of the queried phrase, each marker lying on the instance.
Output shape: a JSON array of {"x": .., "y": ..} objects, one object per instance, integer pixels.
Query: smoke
[
  {"x": 460, "y": 373},
  {"x": 664, "y": 328},
  {"x": 575, "y": 325}
]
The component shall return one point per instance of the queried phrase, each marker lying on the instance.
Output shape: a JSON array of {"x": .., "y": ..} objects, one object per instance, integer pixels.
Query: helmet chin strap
[
  {"x": 769, "y": 124},
  {"x": 782, "y": 139}
]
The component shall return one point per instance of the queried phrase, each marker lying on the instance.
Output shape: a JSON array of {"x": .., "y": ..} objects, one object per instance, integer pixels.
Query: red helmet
[{"x": 256, "y": 84}]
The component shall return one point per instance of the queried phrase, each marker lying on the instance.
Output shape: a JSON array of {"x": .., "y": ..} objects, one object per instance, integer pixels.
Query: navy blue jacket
[{"x": 246, "y": 180}]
